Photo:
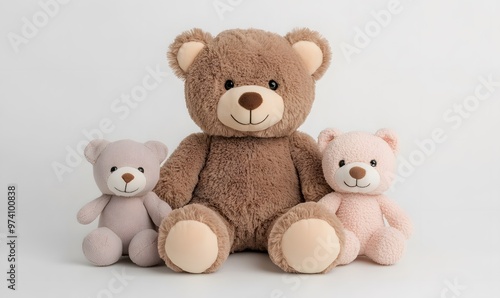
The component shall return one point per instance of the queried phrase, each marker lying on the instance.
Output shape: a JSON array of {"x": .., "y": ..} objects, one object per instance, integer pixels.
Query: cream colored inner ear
[
  {"x": 187, "y": 52},
  {"x": 310, "y": 53}
]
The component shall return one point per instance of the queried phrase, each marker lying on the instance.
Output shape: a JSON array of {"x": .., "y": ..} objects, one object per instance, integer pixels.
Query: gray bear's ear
[
  {"x": 326, "y": 136},
  {"x": 94, "y": 149},
  {"x": 185, "y": 48},
  {"x": 158, "y": 148},
  {"x": 312, "y": 48}
]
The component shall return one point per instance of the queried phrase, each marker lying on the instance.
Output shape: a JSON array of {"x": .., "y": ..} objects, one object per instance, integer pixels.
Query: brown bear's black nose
[
  {"x": 127, "y": 177},
  {"x": 357, "y": 172},
  {"x": 250, "y": 100}
]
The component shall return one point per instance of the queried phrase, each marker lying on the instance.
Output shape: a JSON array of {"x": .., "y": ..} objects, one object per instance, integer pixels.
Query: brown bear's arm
[
  {"x": 307, "y": 160},
  {"x": 179, "y": 174}
]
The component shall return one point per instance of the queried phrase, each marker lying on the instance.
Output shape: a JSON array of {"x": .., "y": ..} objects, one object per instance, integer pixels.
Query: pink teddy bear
[{"x": 360, "y": 167}]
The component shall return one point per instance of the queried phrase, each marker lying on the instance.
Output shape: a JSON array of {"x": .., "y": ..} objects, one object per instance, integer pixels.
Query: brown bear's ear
[
  {"x": 94, "y": 149},
  {"x": 185, "y": 48},
  {"x": 326, "y": 136},
  {"x": 312, "y": 48},
  {"x": 390, "y": 137},
  {"x": 158, "y": 148}
]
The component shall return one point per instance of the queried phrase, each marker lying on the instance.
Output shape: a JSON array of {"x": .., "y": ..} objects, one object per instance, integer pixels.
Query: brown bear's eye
[
  {"x": 141, "y": 169},
  {"x": 373, "y": 163},
  {"x": 113, "y": 169},
  {"x": 342, "y": 163},
  {"x": 228, "y": 84},
  {"x": 273, "y": 85}
]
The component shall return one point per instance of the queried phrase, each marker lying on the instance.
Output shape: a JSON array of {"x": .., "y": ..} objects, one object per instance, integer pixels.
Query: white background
[{"x": 428, "y": 59}]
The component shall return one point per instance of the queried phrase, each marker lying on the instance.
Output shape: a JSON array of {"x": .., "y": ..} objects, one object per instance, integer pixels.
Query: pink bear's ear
[
  {"x": 390, "y": 137},
  {"x": 94, "y": 149},
  {"x": 326, "y": 136}
]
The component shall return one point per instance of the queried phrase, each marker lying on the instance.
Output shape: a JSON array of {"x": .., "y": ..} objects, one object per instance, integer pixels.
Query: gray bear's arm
[
  {"x": 92, "y": 209},
  {"x": 157, "y": 209},
  {"x": 179, "y": 175},
  {"x": 307, "y": 160}
]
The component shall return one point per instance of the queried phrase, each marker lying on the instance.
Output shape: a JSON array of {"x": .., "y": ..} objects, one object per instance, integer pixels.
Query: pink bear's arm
[
  {"x": 92, "y": 209},
  {"x": 395, "y": 216},
  {"x": 331, "y": 201},
  {"x": 307, "y": 160},
  {"x": 179, "y": 175},
  {"x": 157, "y": 209}
]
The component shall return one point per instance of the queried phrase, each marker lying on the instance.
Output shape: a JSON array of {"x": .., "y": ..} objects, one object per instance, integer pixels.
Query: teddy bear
[
  {"x": 249, "y": 180},
  {"x": 360, "y": 166},
  {"x": 129, "y": 212}
]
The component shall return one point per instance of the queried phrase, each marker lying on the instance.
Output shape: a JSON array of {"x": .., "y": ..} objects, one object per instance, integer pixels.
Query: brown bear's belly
[{"x": 249, "y": 181}]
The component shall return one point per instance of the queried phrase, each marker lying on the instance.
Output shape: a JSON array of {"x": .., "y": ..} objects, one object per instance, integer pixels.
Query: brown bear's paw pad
[
  {"x": 192, "y": 246},
  {"x": 310, "y": 245}
]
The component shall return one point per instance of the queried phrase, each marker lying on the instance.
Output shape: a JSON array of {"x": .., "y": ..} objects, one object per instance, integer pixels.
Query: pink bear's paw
[
  {"x": 351, "y": 248},
  {"x": 386, "y": 246},
  {"x": 102, "y": 247}
]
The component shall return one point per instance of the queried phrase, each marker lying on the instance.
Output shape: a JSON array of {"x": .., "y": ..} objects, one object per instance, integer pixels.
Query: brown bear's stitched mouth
[
  {"x": 125, "y": 191},
  {"x": 249, "y": 123},
  {"x": 356, "y": 185}
]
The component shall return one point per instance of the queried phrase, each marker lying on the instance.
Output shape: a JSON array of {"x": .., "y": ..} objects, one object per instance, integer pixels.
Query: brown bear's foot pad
[
  {"x": 194, "y": 239},
  {"x": 306, "y": 239}
]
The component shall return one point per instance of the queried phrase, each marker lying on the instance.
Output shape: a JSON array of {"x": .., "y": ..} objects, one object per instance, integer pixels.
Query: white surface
[{"x": 69, "y": 78}]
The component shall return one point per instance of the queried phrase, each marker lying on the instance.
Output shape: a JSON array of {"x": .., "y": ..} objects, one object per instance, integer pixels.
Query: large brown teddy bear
[{"x": 249, "y": 181}]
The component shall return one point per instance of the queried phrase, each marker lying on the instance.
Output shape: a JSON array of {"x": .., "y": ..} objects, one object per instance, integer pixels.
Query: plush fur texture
[
  {"x": 360, "y": 167},
  {"x": 126, "y": 172},
  {"x": 240, "y": 182}
]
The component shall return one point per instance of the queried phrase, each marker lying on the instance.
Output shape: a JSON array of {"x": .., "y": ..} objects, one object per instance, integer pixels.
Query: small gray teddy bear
[{"x": 126, "y": 173}]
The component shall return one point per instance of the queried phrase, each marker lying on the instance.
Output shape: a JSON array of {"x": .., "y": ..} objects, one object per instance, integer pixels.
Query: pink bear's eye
[
  {"x": 342, "y": 163},
  {"x": 373, "y": 163}
]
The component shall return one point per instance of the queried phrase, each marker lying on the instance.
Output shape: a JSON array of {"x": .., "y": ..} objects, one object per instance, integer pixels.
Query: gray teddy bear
[{"x": 126, "y": 173}]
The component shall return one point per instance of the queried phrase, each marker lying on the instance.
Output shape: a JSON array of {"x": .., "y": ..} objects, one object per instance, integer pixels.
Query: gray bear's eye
[
  {"x": 141, "y": 169},
  {"x": 273, "y": 85},
  {"x": 228, "y": 84},
  {"x": 113, "y": 169}
]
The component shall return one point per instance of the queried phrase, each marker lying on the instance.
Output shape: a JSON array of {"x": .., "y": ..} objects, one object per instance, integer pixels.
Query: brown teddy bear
[{"x": 249, "y": 181}]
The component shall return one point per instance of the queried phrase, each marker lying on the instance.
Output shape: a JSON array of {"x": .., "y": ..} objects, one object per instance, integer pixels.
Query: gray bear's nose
[
  {"x": 357, "y": 172},
  {"x": 250, "y": 100},
  {"x": 127, "y": 177}
]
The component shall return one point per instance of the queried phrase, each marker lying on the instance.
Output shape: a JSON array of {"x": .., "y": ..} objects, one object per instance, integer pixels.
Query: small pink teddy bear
[{"x": 360, "y": 167}]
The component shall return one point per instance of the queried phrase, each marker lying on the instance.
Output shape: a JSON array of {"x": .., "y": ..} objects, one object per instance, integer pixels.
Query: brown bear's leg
[
  {"x": 306, "y": 239},
  {"x": 194, "y": 239}
]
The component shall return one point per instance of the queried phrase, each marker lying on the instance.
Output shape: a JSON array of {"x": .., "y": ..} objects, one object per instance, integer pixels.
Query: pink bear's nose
[
  {"x": 127, "y": 177},
  {"x": 357, "y": 172}
]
